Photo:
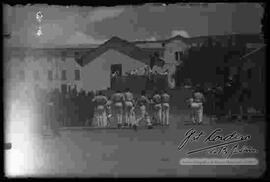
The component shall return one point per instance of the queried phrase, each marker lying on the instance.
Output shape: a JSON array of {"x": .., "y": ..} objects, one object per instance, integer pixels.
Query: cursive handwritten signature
[{"x": 220, "y": 142}]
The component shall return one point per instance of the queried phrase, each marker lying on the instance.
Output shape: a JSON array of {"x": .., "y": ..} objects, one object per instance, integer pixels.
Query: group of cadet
[{"x": 121, "y": 106}]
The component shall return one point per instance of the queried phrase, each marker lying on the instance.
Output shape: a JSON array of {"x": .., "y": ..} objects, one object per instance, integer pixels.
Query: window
[
  {"x": 63, "y": 56},
  {"x": 77, "y": 74},
  {"x": 76, "y": 55},
  {"x": 64, "y": 75},
  {"x": 176, "y": 55},
  {"x": 50, "y": 75},
  {"x": 22, "y": 75},
  {"x": 116, "y": 68},
  {"x": 36, "y": 75}
]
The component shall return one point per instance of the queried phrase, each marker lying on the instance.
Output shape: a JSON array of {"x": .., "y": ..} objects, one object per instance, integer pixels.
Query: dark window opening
[
  {"x": 64, "y": 75},
  {"x": 176, "y": 55},
  {"x": 116, "y": 68},
  {"x": 77, "y": 74}
]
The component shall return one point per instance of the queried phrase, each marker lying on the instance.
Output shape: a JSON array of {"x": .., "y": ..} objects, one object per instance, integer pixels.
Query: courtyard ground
[{"x": 88, "y": 152}]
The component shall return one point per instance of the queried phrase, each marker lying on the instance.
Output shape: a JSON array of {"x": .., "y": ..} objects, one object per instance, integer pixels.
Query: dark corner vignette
[{"x": 151, "y": 108}]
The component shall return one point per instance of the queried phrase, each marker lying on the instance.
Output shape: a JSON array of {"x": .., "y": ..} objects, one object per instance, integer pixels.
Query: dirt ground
[{"x": 85, "y": 152}]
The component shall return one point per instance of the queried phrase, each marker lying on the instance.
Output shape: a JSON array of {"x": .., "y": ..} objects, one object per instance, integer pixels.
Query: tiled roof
[{"x": 120, "y": 45}]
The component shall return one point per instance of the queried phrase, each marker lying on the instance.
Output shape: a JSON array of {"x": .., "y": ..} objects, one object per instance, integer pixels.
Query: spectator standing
[
  {"x": 143, "y": 102},
  {"x": 157, "y": 107},
  {"x": 100, "y": 101},
  {"x": 200, "y": 100},
  {"x": 165, "y": 98},
  {"x": 118, "y": 100},
  {"x": 129, "y": 104}
]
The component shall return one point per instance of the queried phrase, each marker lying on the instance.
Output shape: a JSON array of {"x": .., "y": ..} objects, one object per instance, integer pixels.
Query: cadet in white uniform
[
  {"x": 129, "y": 104},
  {"x": 199, "y": 100},
  {"x": 100, "y": 101},
  {"x": 157, "y": 107},
  {"x": 165, "y": 99},
  {"x": 118, "y": 99},
  {"x": 143, "y": 101},
  {"x": 108, "y": 112},
  {"x": 192, "y": 105}
]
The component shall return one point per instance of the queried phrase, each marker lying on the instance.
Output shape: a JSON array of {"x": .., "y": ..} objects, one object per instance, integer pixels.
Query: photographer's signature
[{"x": 223, "y": 145}]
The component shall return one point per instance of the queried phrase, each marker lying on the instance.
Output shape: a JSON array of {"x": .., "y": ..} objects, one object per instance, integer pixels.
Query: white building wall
[
  {"x": 170, "y": 59},
  {"x": 97, "y": 74},
  {"x": 171, "y": 48},
  {"x": 70, "y": 65}
]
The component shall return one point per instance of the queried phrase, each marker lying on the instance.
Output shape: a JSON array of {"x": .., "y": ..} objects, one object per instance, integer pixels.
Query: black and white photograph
[{"x": 147, "y": 90}]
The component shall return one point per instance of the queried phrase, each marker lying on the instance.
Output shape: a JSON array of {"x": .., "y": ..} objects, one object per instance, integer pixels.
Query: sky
[{"x": 72, "y": 25}]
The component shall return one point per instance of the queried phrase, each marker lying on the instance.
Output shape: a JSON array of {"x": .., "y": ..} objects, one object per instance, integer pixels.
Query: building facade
[{"x": 90, "y": 67}]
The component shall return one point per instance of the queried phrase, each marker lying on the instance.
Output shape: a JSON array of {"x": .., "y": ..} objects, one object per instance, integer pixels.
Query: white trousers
[
  {"x": 101, "y": 116},
  {"x": 128, "y": 112},
  {"x": 158, "y": 112},
  {"x": 196, "y": 112},
  {"x": 165, "y": 113}
]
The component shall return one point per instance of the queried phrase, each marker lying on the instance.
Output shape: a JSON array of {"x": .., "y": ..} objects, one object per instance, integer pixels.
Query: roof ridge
[{"x": 107, "y": 45}]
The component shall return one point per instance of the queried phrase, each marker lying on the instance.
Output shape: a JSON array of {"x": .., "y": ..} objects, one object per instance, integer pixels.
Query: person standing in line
[
  {"x": 129, "y": 103},
  {"x": 118, "y": 99},
  {"x": 133, "y": 120},
  {"x": 200, "y": 100},
  {"x": 100, "y": 101},
  {"x": 157, "y": 107},
  {"x": 143, "y": 101},
  {"x": 109, "y": 112},
  {"x": 190, "y": 103},
  {"x": 165, "y": 98}
]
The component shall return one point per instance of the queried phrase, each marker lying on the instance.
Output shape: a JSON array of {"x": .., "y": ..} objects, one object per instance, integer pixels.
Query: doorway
[{"x": 116, "y": 68}]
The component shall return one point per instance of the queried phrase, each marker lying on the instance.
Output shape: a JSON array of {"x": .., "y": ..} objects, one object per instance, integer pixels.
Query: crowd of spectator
[
  {"x": 224, "y": 100},
  {"x": 63, "y": 109}
]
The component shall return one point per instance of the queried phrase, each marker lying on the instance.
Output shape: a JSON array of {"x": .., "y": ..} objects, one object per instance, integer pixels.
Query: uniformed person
[
  {"x": 129, "y": 104},
  {"x": 199, "y": 99},
  {"x": 108, "y": 112},
  {"x": 133, "y": 120},
  {"x": 143, "y": 101},
  {"x": 165, "y": 99},
  {"x": 100, "y": 101},
  {"x": 157, "y": 107},
  {"x": 118, "y": 99},
  {"x": 190, "y": 103}
]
